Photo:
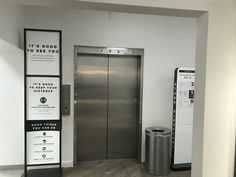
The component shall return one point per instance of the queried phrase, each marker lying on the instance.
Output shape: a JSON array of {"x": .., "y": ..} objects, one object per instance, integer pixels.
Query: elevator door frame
[{"x": 139, "y": 54}]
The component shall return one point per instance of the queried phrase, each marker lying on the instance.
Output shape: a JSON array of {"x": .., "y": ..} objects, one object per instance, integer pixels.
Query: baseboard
[
  {"x": 11, "y": 167},
  {"x": 65, "y": 164},
  {"x": 181, "y": 167}
]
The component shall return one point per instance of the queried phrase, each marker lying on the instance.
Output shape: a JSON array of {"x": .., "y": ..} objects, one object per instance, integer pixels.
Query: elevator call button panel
[{"x": 65, "y": 105}]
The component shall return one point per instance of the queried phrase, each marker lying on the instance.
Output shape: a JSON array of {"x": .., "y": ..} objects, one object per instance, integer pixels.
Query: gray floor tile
[
  {"x": 114, "y": 168},
  {"x": 104, "y": 168}
]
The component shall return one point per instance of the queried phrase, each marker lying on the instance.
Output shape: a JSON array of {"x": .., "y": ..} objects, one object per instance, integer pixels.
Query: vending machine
[{"x": 182, "y": 125}]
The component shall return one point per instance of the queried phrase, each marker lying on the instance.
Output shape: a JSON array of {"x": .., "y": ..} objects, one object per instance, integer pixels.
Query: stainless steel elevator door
[
  {"x": 122, "y": 107},
  {"x": 91, "y": 107},
  {"x": 106, "y": 107}
]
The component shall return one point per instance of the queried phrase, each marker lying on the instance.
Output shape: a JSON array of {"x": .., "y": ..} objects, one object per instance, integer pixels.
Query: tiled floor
[
  {"x": 114, "y": 168},
  {"x": 103, "y": 168}
]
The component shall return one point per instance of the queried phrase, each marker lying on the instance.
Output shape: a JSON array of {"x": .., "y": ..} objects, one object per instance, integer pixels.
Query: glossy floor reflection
[{"x": 114, "y": 168}]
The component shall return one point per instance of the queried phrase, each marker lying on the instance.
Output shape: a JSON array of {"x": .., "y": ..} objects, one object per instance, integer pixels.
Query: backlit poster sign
[
  {"x": 42, "y": 102},
  {"x": 43, "y": 53},
  {"x": 43, "y": 147},
  {"x": 43, "y": 98}
]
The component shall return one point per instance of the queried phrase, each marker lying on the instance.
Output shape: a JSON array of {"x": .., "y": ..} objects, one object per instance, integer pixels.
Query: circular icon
[
  {"x": 44, "y": 156},
  {"x": 44, "y": 141},
  {"x": 44, "y": 133},
  {"x": 44, "y": 148},
  {"x": 43, "y": 100}
]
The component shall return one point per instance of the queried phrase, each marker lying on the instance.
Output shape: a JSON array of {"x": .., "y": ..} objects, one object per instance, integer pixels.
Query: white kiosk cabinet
[{"x": 183, "y": 101}]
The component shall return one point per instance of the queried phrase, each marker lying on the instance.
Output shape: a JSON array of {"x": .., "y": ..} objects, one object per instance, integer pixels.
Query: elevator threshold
[{"x": 105, "y": 160}]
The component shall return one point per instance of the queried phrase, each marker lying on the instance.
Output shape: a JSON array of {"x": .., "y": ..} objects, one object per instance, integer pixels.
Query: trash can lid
[{"x": 158, "y": 131}]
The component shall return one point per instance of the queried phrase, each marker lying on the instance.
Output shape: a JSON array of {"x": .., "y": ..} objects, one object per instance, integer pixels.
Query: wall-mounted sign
[
  {"x": 42, "y": 98},
  {"x": 43, "y": 53},
  {"x": 42, "y": 102}
]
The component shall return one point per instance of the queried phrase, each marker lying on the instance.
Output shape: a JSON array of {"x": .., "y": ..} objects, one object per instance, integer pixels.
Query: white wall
[
  {"x": 216, "y": 147},
  {"x": 11, "y": 105},
  {"x": 11, "y": 86},
  {"x": 219, "y": 115},
  {"x": 11, "y": 20},
  {"x": 169, "y": 42},
  {"x": 198, "y": 121}
]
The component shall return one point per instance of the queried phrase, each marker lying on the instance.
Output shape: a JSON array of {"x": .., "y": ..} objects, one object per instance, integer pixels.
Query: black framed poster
[
  {"x": 43, "y": 52},
  {"x": 42, "y": 103},
  {"x": 42, "y": 98},
  {"x": 43, "y": 146}
]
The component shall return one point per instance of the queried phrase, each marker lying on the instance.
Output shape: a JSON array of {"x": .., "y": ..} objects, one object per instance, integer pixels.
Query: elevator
[{"x": 107, "y": 103}]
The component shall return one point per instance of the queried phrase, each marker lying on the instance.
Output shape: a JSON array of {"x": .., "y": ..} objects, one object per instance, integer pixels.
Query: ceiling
[{"x": 146, "y": 6}]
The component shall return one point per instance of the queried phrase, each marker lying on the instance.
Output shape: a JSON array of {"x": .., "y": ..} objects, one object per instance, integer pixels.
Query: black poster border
[{"x": 25, "y": 99}]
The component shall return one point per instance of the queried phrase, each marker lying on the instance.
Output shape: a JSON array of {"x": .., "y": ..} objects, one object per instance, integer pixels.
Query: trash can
[{"x": 158, "y": 150}]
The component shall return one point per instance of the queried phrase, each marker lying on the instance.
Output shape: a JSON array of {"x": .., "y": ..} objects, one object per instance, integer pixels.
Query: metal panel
[
  {"x": 91, "y": 106},
  {"x": 109, "y": 51},
  {"x": 65, "y": 105},
  {"x": 119, "y": 53},
  {"x": 123, "y": 107}
]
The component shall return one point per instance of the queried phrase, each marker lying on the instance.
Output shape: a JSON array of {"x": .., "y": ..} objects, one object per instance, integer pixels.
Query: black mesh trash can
[{"x": 158, "y": 150}]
